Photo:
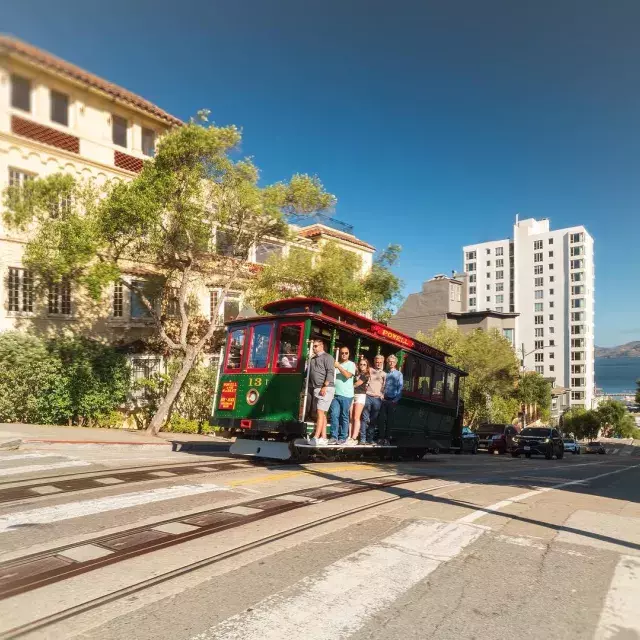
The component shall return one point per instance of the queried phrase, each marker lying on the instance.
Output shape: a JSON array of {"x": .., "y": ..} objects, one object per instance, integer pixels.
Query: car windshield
[
  {"x": 490, "y": 428},
  {"x": 466, "y": 430},
  {"x": 535, "y": 431}
]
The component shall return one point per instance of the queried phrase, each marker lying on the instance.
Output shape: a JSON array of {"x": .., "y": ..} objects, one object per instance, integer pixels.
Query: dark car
[
  {"x": 595, "y": 447},
  {"x": 496, "y": 437},
  {"x": 542, "y": 441},
  {"x": 470, "y": 440}
]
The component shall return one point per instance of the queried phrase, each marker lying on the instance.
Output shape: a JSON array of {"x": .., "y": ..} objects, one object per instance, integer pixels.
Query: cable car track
[{"x": 359, "y": 487}]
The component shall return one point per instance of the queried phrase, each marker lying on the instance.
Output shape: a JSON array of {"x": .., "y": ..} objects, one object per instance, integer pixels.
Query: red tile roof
[
  {"x": 316, "y": 230},
  {"x": 14, "y": 47}
]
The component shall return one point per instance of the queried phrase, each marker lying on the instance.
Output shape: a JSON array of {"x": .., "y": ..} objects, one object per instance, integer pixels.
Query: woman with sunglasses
[{"x": 359, "y": 398}]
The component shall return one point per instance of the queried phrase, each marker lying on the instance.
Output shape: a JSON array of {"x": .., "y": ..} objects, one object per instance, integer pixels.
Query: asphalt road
[{"x": 108, "y": 546}]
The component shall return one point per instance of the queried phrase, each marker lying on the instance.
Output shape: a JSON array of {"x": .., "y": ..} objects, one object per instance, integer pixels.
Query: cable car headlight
[{"x": 252, "y": 396}]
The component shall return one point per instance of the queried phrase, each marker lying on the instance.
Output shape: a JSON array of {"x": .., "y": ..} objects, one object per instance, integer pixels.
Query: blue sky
[{"x": 433, "y": 122}]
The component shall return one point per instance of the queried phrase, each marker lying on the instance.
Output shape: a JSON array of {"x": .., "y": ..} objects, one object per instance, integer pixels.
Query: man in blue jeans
[
  {"x": 345, "y": 370},
  {"x": 375, "y": 393},
  {"x": 392, "y": 394}
]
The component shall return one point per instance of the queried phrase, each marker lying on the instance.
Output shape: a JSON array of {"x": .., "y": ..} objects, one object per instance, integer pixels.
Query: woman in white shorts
[{"x": 359, "y": 397}]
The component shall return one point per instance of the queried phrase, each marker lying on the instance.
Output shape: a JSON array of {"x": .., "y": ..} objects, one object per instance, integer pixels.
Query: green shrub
[
  {"x": 60, "y": 381},
  {"x": 32, "y": 385},
  {"x": 178, "y": 424}
]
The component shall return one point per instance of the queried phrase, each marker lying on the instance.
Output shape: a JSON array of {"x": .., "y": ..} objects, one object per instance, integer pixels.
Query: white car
[{"x": 571, "y": 446}]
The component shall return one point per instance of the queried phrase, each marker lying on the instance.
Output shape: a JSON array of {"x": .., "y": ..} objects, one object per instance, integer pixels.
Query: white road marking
[
  {"x": 47, "y": 515},
  {"x": 36, "y": 468},
  {"x": 378, "y": 574},
  {"x": 620, "y": 617},
  {"x": 24, "y": 456},
  {"x": 479, "y": 513}
]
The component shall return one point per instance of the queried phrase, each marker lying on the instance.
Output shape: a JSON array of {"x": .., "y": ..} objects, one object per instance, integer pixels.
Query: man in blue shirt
[{"x": 392, "y": 394}]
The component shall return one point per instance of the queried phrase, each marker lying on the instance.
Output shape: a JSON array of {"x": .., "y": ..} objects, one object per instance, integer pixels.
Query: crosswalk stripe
[
  {"x": 37, "y": 468},
  {"x": 378, "y": 573},
  {"x": 620, "y": 617},
  {"x": 46, "y": 515}
]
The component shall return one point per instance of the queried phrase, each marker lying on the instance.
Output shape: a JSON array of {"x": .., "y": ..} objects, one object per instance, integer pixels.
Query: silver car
[{"x": 571, "y": 446}]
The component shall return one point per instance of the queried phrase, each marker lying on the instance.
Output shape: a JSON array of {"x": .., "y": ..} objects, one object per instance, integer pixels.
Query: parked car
[
  {"x": 595, "y": 447},
  {"x": 470, "y": 440},
  {"x": 543, "y": 441},
  {"x": 571, "y": 446},
  {"x": 504, "y": 432}
]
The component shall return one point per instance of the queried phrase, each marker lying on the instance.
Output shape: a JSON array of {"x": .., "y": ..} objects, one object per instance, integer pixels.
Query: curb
[{"x": 95, "y": 443}]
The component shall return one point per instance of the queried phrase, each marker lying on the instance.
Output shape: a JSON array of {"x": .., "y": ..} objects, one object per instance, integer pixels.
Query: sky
[{"x": 434, "y": 123}]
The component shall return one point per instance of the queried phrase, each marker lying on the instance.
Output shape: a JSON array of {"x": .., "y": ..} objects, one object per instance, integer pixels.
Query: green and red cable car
[{"x": 261, "y": 391}]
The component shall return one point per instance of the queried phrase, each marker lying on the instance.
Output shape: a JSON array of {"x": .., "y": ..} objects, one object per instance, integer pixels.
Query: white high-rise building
[{"x": 548, "y": 278}]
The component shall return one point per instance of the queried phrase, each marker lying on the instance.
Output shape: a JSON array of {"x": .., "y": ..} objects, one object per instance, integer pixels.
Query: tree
[
  {"x": 334, "y": 274},
  {"x": 535, "y": 391},
  {"x": 491, "y": 363},
  {"x": 166, "y": 218},
  {"x": 615, "y": 419},
  {"x": 583, "y": 423}
]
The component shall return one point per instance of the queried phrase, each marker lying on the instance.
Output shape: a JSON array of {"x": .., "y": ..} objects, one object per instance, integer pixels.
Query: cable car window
[
  {"x": 450, "y": 387},
  {"x": 411, "y": 373},
  {"x": 438, "y": 385},
  {"x": 235, "y": 350},
  {"x": 260, "y": 347},
  {"x": 289, "y": 344},
  {"x": 424, "y": 381}
]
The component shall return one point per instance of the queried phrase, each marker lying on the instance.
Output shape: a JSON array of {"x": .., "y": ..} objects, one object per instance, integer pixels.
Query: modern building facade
[
  {"x": 444, "y": 299},
  {"x": 547, "y": 277},
  {"x": 56, "y": 117}
]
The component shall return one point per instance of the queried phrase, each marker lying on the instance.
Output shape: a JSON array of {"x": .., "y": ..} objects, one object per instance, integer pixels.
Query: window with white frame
[
  {"x": 551, "y": 254},
  {"x": 578, "y": 368},
  {"x": 538, "y": 344},
  {"x": 500, "y": 263},
  {"x": 472, "y": 278},
  {"x": 488, "y": 251},
  {"x": 499, "y": 275},
  {"x": 488, "y": 287},
  {"x": 538, "y": 282},
  {"x": 119, "y": 128},
  {"x": 472, "y": 290},
  {"x": 539, "y": 357},
  {"x": 552, "y": 367},
  {"x": 538, "y": 257},
  {"x": 118, "y": 300},
  {"x": 577, "y": 382},
  {"x": 539, "y": 369},
  {"x": 499, "y": 309},
  {"x": 148, "y": 142},
  {"x": 551, "y": 317},
  {"x": 471, "y": 255},
  {"x": 578, "y": 303},
  {"x": 488, "y": 298},
  {"x": 577, "y": 277},
  {"x": 60, "y": 298},
  {"x": 552, "y": 304},
  {"x": 550, "y": 241},
  {"x": 20, "y": 92},
  {"x": 576, "y": 237},
  {"x": 537, "y": 245},
  {"x": 538, "y": 306},
  {"x": 552, "y": 330},
  {"x": 265, "y": 250},
  {"x": 488, "y": 263},
  {"x": 538, "y": 294},
  {"x": 538, "y": 269},
  {"x": 551, "y": 354},
  {"x": 577, "y": 329},
  {"x": 499, "y": 299},
  {"x": 59, "y": 107},
  {"x": 488, "y": 275},
  {"x": 500, "y": 286},
  {"x": 577, "y": 355},
  {"x": 577, "y": 290},
  {"x": 538, "y": 319},
  {"x": 577, "y": 264},
  {"x": 576, "y": 251},
  {"x": 499, "y": 251},
  {"x": 20, "y": 294},
  {"x": 551, "y": 267},
  {"x": 551, "y": 292},
  {"x": 552, "y": 278},
  {"x": 471, "y": 266},
  {"x": 472, "y": 302},
  {"x": 538, "y": 332},
  {"x": 577, "y": 342},
  {"x": 577, "y": 395},
  {"x": 577, "y": 316}
]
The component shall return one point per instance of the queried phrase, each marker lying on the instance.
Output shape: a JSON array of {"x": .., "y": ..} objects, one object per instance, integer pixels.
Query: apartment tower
[{"x": 547, "y": 277}]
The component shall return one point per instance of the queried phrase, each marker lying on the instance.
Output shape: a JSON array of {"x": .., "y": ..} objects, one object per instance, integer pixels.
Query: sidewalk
[{"x": 82, "y": 436}]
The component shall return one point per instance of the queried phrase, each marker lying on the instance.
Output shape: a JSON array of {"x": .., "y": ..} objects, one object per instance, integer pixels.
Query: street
[{"x": 108, "y": 544}]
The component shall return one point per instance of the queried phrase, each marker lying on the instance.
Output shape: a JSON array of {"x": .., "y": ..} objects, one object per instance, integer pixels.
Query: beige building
[
  {"x": 56, "y": 117},
  {"x": 444, "y": 298}
]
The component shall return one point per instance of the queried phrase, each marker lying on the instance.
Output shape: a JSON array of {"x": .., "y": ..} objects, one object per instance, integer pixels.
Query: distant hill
[{"x": 629, "y": 350}]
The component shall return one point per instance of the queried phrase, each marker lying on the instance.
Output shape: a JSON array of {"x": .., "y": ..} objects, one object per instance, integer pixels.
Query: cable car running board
[{"x": 261, "y": 449}]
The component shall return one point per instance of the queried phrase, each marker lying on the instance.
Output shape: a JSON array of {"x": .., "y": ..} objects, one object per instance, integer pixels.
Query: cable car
[{"x": 261, "y": 394}]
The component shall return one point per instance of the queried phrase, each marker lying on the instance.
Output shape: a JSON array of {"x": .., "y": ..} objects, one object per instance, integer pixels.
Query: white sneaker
[
  {"x": 332, "y": 441},
  {"x": 351, "y": 442},
  {"x": 321, "y": 442},
  {"x": 313, "y": 442}
]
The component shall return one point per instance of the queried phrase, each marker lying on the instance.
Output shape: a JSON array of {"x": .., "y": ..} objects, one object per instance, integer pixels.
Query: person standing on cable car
[
  {"x": 392, "y": 394},
  {"x": 321, "y": 386},
  {"x": 341, "y": 405},
  {"x": 375, "y": 393}
]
